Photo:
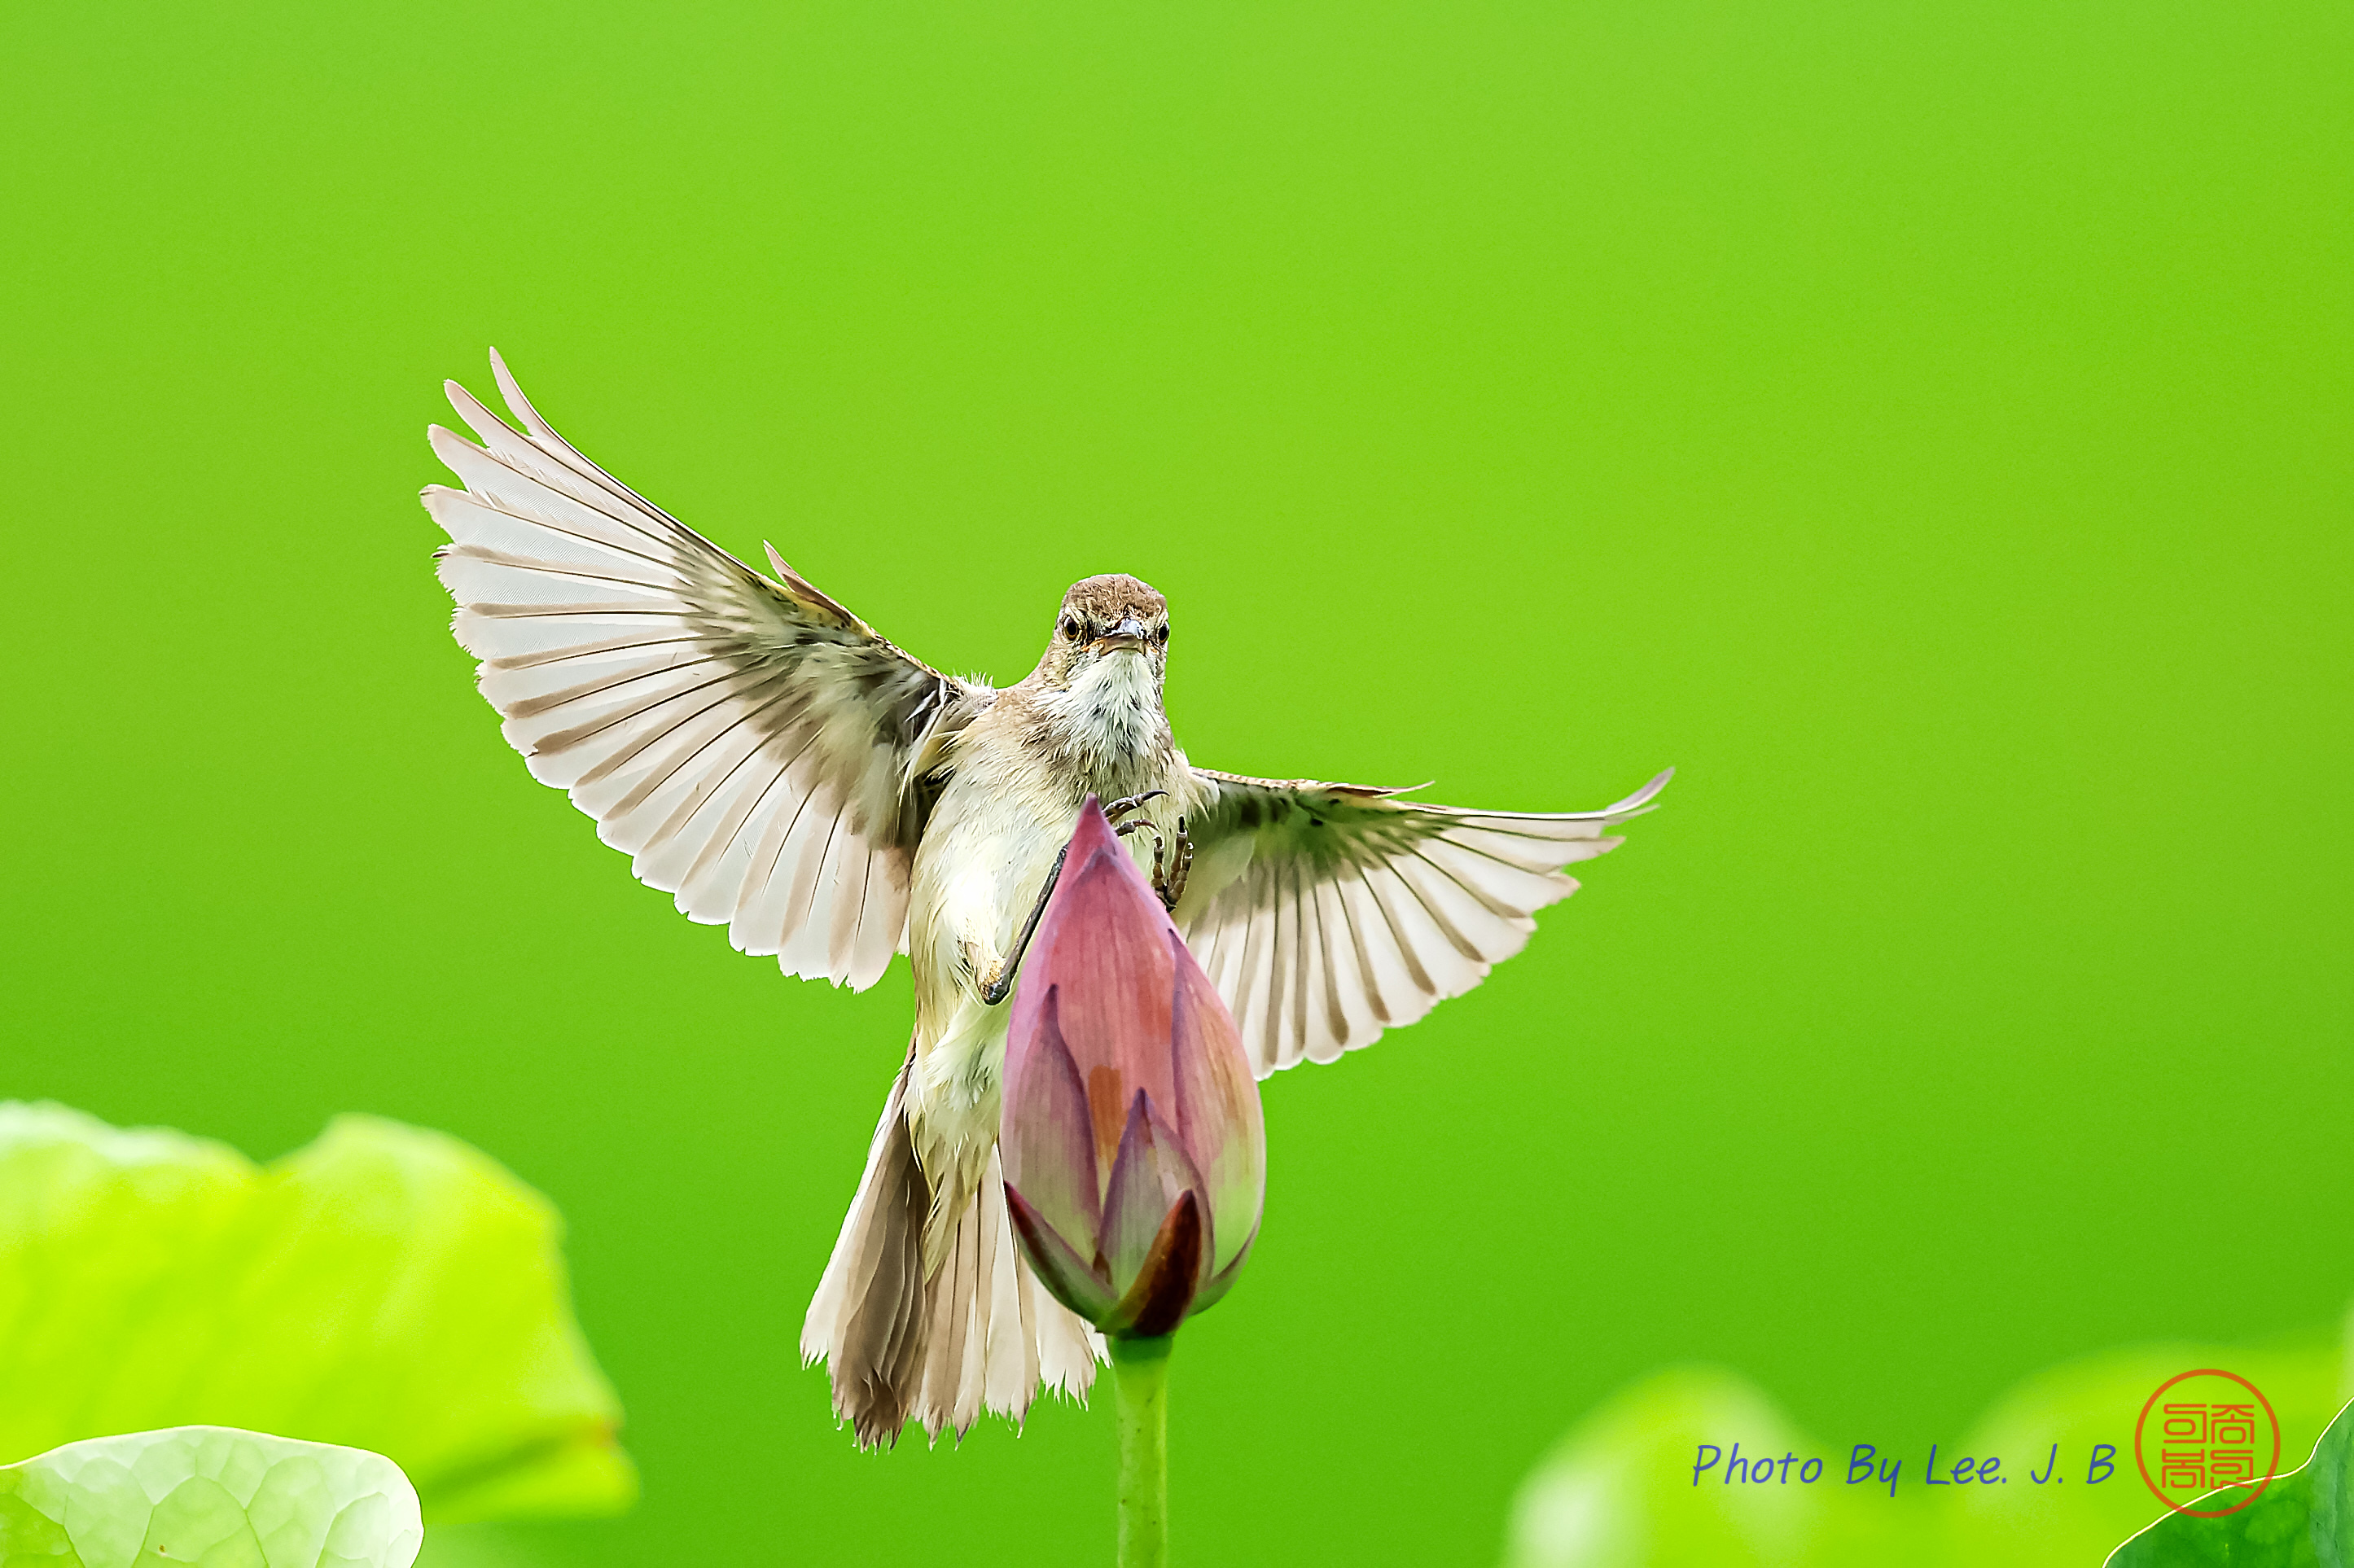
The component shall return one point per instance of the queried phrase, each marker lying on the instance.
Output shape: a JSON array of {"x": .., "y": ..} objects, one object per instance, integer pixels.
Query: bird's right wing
[{"x": 755, "y": 746}]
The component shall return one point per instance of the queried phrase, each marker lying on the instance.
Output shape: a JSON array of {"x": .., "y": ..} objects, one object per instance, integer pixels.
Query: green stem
[{"x": 1139, "y": 1377}]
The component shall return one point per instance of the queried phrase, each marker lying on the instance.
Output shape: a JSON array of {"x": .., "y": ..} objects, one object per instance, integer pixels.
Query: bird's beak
[{"x": 1129, "y": 633}]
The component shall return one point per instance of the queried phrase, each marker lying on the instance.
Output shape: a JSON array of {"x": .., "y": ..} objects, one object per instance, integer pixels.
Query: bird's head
[{"x": 1112, "y": 630}]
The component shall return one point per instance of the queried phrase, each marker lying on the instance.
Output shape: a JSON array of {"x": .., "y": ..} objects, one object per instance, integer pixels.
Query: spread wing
[
  {"x": 1327, "y": 913},
  {"x": 754, "y": 745}
]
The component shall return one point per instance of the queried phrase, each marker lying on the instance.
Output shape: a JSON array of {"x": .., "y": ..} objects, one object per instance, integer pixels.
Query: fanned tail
[{"x": 980, "y": 1333}]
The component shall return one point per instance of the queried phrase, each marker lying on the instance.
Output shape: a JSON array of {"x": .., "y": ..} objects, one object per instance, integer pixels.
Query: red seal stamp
[{"x": 2208, "y": 1432}]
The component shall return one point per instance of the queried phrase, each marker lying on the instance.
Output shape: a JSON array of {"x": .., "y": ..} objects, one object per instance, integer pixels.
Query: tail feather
[
  {"x": 980, "y": 1333},
  {"x": 1010, "y": 1374},
  {"x": 955, "y": 1341},
  {"x": 864, "y": 1318}
]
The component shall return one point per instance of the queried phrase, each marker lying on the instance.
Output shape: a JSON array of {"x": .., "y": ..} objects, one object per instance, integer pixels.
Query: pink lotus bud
[{"x": 1135, "y": 1155}]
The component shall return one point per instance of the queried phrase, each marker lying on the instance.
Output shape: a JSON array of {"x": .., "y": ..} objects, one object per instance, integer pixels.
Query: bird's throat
[{"x": 1110, "y": 716}]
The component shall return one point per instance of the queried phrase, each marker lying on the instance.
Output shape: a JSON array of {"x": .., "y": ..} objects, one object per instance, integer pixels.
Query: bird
[{"x": 770, "y": 759}]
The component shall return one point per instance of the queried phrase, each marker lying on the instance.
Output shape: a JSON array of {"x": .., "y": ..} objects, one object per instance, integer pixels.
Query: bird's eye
[
  {"x": 1162, "y": 635},
  {"x": 1071, "y": 627}
]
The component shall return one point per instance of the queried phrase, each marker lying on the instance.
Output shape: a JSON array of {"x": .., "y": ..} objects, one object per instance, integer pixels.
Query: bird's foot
[
  {"x": 1169, "y": 870},
  {"x": 1172, "y": 888}
]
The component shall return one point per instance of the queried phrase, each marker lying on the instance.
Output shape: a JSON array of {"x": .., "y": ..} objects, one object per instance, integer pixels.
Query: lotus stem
[{"x": 1140, "y": 1376}]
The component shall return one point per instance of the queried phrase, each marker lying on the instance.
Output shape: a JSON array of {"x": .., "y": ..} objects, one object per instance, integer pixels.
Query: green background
[{"x": 1928, "y": 427}]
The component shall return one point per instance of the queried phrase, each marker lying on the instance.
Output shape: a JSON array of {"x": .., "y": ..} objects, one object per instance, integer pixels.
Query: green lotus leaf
[
  {"x": 210, "y": 1495},
  {"x": 384, "y": 1288},
  {"x": 2301, "y": 1521},
  {"x": 2097, "y": 1399},
  {"x": 1620, "y": 1491}
]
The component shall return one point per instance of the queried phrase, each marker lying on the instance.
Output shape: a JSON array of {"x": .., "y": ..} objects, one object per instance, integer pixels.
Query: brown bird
[{"x": 763, "y": 754}]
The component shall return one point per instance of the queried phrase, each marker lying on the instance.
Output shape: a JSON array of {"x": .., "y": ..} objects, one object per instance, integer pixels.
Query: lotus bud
[{"x": 1135, "y": 1153}]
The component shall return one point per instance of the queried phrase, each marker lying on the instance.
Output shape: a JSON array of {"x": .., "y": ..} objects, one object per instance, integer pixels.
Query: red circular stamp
[{"x": 2205, "y": 1435}]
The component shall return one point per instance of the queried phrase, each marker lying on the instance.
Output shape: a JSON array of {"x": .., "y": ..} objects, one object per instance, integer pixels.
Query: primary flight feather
[{"x": 766, "y": 755}]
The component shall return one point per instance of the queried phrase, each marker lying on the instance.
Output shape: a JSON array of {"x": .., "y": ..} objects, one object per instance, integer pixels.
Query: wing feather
[
  {"x": 1337, "y": 957},
  {"x": 1342, "y": 911},
  {"x": 1283, "y": 1032},
  {"x": 1253, "y": 1001},
  {"x": 776, "y": 867},
  {"x": 713, "y": 883},
  {"x": 751, "y": 743},
  {"x": 1365, "y": 932}
]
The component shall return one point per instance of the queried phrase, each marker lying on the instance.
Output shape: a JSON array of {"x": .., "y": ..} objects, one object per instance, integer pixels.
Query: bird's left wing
[
  {"x": 1327, "y": 913},
  {"x": 757, "y": 749}
]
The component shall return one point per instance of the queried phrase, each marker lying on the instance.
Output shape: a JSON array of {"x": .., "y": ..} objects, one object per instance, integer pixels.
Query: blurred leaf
[
  {"x": 1620, "y": 1491},
  {"x": 210, "y": 1495},
  {"x": 386, "y": 1289},
  {"x": 2300, "y": 1520},
  {"x": 2097, "y": 1399}
]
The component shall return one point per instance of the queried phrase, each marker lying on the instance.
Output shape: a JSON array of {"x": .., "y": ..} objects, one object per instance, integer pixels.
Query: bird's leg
[
  {"x": 998, "y": 988},
  {"x": 1001, "y": 986}
]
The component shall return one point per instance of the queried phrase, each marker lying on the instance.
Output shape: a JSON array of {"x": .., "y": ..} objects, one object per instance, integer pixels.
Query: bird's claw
[
  {"x": 1120, "y": 808},
  {"x": 1144, "y": 825}
]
